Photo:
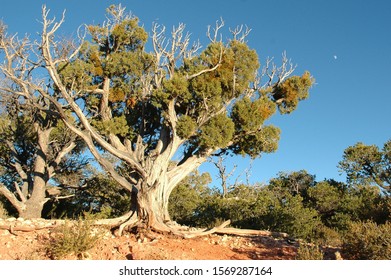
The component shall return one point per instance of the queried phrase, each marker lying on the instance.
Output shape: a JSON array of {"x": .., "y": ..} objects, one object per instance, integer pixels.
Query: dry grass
[{"x": 73, "y": 239}]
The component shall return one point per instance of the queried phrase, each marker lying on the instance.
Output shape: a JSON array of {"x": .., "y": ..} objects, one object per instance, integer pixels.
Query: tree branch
[
  {"x": 218, "y": 26},
  {"x": 51, "y": 68},
  {"x": 12, "y": 198}
]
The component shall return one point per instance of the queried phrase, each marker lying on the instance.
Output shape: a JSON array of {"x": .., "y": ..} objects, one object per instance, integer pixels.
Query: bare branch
[
  {"x": 19, "y": 192},
  {"x": 239, "y": 34},
  {"x": 276, "y": 75},
  {"x": 286, "y": 69},
  {"x": 204, "y": 71},
  {"x": 209, "y": 69},
  {"x": 12, "y": 198},
  {"x": 223, "y": 175},
  {"x": 213, "y": 37}
]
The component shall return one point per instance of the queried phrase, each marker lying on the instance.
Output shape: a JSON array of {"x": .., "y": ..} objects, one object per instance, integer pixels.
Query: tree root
[
  {"x": 201, "y": 232},
  {"x": 249, "y": 232},
  {"x": 130, "y": 220}
]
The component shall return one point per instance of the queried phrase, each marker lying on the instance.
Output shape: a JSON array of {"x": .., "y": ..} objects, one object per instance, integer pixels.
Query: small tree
[
  {"x": 295, "y": 183},
  {"x": 367, "y": 164},
  {"x": 144, "y": 107}
]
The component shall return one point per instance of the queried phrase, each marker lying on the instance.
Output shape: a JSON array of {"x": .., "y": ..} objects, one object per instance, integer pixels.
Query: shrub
[
  {"x": 368, "y": 241},
  {"x": 292, "y": 217},
  {"x": 309, "y": 252},
  {"x": 327, "y": 236},
  {"x": 73, "y": 239}
]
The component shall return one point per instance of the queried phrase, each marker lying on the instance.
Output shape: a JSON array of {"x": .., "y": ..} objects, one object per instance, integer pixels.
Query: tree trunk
[
  {"x": 34, "y": 204},
  {"x": 152, "y": 206},
  {"x": 32, "y": 209}
]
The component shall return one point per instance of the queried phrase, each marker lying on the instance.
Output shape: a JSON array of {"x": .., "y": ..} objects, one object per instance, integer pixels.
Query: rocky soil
[{"x": 18, "y": 242}]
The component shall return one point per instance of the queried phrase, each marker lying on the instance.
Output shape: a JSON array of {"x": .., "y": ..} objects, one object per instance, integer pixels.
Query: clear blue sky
[{"x": 346, "y": 45}]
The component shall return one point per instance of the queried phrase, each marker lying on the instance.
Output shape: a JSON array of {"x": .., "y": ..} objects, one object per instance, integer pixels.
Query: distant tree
[
  {"x": 368, "y": 164},
  {"x": 295, "y": 183},
  {"x": 146, "y": 107},
  {"x": 187, "y": 196}
]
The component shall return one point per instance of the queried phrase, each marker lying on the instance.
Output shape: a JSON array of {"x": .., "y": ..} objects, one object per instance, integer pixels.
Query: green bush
[
  {"x": 367, "y": 241},
  {"x": 188, "y": 198},
  {"x": 327, "y": 236},
  {"x": 292, "y": 217},
  {"x": 73, "y": 239},
  {"x": 309, "y": 252}
]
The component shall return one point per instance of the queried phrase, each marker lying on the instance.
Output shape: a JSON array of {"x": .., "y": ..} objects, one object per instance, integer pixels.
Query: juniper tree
[
  {"x": 39, "y": 156},
  {"x": 368, "y": 164},
  {"x": 37, "y": 150},
  {"x": 175, "y": 101}
]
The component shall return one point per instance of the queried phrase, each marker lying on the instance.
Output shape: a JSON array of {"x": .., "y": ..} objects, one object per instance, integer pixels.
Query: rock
[
  {"x": 11, "y": 219},
  {"x": 338, "y": 256}
]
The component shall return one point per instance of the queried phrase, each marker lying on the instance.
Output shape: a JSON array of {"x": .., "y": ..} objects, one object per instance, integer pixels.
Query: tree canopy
[
  {"x": 368, "y": 164},
  {"x": 161, "y": 112}
]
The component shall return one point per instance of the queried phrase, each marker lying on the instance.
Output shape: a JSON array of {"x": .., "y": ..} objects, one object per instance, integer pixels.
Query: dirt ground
[{"x": 33, "y": 246}]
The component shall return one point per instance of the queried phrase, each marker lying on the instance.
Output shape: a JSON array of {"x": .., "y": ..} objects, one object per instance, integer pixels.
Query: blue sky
[{"x": 346, "y": 45}]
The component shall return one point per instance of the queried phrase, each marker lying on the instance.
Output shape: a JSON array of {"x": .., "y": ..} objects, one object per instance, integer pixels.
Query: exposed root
[
  {"x": 130, "y": 220},
  {"x": 128, "y": 224},
  {"x": 14, "y": 227},
  {"x": 202, "y": 232},
  {"x": 247, "y": 232},
  {"x": 115, "y": 222}
]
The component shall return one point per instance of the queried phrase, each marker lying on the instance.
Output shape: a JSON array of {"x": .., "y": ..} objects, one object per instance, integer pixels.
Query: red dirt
[{"x": 33, "y": 245}]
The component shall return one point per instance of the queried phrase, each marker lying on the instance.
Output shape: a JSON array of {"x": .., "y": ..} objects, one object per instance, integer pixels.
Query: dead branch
[
  {"x": 223, "y": 175},
  {"x": 239, "y": 34},
  {"x": 213, "y": 35},
  {"x": 275, "y": 75}
]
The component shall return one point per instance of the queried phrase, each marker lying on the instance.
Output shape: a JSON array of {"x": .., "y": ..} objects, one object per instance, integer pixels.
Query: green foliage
[
  {"x": 177, "y": 86},
  {"x": 327, "y": 236},
  {"x": 368, "y": 241},
  {"x": 73, "y": 239},
  {"x": 297, "y": 182},
  {"x": 246, "y": 63},
  {"x": 290, "y": 216},
  {"x": 217, "y": 132},
  {"x": 309, "y": 252},
  {"x": 367, "y": 164},
  {"x": 186, "y": 127},
  {"x": 325, "y": 198},
  {"x": 249, "y": 116},
  {"x": 101, "y": 196},
  {"x": 116, "y": 125},
  {"x": 291, "y": 91},
  {"x": 264, "y": 140},
  {"x": 187, "y": 197},
  {"x": 76, "y": 74}
]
